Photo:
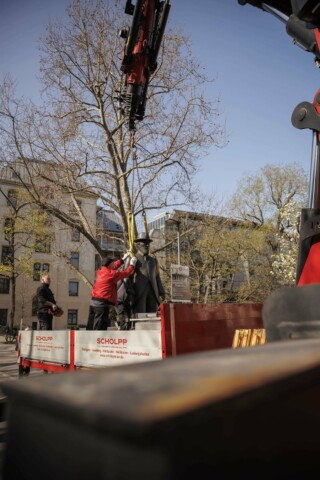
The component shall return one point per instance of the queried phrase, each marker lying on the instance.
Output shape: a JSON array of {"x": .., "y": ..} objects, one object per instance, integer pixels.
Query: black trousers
[
  {"x": 98, "y": 318},
  {"x": 45, "y": 321},
  {"x": 123, "y": 317}
]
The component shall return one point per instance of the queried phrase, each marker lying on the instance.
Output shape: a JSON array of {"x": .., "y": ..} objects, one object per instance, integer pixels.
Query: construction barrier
[{"x": 179, "y": 329}]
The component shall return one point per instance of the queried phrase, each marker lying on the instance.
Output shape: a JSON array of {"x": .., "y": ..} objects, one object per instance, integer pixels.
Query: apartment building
[{"x": 177, "y": 239}]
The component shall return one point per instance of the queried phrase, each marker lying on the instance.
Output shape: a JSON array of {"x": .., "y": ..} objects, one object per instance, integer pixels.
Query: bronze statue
[
  {"x": 143, "y": 291},
  {"x": 148, "y": 290}
]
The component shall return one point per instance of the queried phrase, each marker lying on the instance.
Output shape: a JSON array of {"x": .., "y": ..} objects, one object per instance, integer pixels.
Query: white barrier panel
[
  {"x": 46, "y": 345},
  {"x": 116, "y": 347}
]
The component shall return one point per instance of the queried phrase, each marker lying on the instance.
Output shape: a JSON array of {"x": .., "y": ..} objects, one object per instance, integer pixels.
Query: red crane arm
[{"x": 139, "y": 59}]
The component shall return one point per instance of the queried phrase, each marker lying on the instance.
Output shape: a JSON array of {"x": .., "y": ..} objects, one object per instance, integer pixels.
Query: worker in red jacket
[{"x": 104, "y": 291}]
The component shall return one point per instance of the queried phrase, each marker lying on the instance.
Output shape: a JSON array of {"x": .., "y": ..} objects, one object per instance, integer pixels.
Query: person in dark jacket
[
  {"x": 104, "y": 291},
  {"x": 46, "y": 303}
]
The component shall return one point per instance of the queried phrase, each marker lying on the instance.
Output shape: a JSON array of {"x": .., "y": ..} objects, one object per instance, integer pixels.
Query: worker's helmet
[{"x": 107, "y": 261}]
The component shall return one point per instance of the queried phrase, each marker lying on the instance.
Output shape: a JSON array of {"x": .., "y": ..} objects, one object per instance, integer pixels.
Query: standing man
[
  {"x": 104, "y": 291},
  {"x": 148, "y": 291},
  {"x": 46, "y": 303}
]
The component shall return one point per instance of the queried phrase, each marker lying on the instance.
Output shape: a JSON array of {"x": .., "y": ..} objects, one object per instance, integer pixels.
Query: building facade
[{"x": 179, "y": 238}]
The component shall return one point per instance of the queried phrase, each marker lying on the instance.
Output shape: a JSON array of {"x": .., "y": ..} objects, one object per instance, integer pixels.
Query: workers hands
[
  {"x": 133, "y": 261},
  {"x": 125, "y": 256},
  {"x": 55, "y": 310}
]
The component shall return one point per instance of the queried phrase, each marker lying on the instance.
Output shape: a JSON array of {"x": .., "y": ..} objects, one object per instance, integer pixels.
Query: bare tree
[{"x": 77, "y": 141}]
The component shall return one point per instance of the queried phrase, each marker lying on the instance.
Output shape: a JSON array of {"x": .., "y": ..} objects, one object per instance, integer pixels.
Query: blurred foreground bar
[{"x": 253, "y": 411}]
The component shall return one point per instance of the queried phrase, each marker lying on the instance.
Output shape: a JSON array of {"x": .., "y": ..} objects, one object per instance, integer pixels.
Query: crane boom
[{"x": 140, "y": 53}]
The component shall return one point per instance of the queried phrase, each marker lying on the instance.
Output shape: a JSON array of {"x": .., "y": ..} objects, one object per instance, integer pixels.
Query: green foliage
[
  {"x": 24, "y": 224},
  {"x": 243, "y": 256},
  {"x": 271, "y": 201}
]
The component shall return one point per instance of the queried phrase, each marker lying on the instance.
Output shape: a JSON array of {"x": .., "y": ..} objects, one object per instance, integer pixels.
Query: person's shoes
[{"x": 23, "y": 370}]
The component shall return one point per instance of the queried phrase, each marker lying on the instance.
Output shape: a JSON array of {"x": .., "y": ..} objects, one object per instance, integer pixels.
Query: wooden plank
[{"x": 248, "y": 411}]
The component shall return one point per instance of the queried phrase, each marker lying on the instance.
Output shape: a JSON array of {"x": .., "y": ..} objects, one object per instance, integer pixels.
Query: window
[
  {"x": 3, "y": 316},
  {"x": 4, "y": 285},
  {"x": 8, "y": 228},
  {"x": 74, "y": 259},
  {"x": 73, "y": 289},
  {"x": 46, "y": 192},
  {"x": 75, "y": 235},
  {"x": 39, "y": 269},
  {"x": 42, "y": 245},
  {"x": 34, "y": 310},
  {"x": 72, "y": 318},
  {"x": 45, "y": 267},
  {"x": 12, "y": 198},
  {"x": 36, "y": 271},
  {"x": 6, "y": 255},
  {"x": 73, "y": 209}
]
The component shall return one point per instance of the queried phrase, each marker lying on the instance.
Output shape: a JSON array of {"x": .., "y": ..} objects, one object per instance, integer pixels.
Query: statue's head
[{"x": 143, "y": 243}]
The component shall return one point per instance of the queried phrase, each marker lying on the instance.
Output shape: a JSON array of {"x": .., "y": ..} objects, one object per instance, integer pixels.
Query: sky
[{"x": 259, "y": 76}]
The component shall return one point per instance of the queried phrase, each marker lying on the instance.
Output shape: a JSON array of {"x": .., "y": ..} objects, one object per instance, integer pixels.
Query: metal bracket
[{"x": 305, "y": 116}]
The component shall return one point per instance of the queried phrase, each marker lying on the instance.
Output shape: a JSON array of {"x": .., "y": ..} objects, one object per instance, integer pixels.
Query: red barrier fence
[{"x": 196, "y": 327}]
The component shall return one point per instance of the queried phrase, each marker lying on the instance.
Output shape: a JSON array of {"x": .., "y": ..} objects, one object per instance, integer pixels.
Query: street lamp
[{"x": 178, "y": 223}]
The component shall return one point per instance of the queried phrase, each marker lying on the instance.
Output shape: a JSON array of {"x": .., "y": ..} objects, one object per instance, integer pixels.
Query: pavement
[{"x": 9, "y": 372}]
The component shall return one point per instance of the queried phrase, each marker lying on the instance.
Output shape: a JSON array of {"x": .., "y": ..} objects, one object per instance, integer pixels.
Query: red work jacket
[{"x": 105, "y": 286}]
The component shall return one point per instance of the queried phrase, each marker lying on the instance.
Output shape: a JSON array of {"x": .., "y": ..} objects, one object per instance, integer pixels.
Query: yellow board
[{"x": 248, "y": 337}]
